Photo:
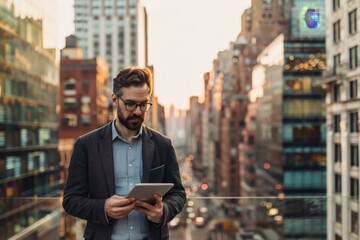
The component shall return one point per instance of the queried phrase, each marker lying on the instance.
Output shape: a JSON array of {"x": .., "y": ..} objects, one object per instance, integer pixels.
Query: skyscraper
[{"x": 115, "y": 30}]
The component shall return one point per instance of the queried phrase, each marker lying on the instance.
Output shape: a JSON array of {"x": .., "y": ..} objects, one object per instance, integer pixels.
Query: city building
[
  {"x": 290, "y": 128},
  {"x": 83, "y": 102},
  {"x": 193, "y": 132},
  {"x": 175, "y": 127},
  {"x": 30, "y": 170},
  {"x": 229, "y": 83},
  {"x": 210, "y": 127},
  {"x": 247, "y": 163},
  {"x": 155, "y": 117},
  {"x": 115, "y": 30},
  {"x": 83, "y": 106},
  {"x": 341, "y": 81}
]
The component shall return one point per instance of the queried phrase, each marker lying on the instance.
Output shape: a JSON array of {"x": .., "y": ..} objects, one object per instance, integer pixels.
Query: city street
[{"x": 201, "y": 212}]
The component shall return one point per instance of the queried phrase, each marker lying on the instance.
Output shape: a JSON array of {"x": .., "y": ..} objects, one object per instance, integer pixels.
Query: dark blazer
[{"x": 91, "y": 180}]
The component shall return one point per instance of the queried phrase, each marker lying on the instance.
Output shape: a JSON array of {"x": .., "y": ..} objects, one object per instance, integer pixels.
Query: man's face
[{"x": 132, "y": 120}]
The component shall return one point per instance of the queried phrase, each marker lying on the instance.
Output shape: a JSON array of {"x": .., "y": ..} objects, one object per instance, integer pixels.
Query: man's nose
[{"x": 138, "y": 110}]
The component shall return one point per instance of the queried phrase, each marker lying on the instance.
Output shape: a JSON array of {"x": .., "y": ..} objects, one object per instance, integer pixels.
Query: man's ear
[{"x": 113, "y": 98}]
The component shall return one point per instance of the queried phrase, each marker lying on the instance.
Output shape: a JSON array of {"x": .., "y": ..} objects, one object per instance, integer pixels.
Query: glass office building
[
  {"x": 29, "y": 159},
  {"x": 291, "y": 128},
  {"x": 291, "y": 136}
]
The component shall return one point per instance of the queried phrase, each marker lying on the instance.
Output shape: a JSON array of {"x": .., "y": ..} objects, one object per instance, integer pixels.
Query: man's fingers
[
  {"x": 121, "y": 202},
  {"x": 154, "y": 213},
  {"x": 118, "y": 207},
  {"x": 158, "y": 198},
  {"x": 120, "y": 212}
]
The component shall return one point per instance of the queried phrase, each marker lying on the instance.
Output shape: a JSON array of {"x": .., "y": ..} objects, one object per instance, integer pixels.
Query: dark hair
[{"x": 132, "y": 76}]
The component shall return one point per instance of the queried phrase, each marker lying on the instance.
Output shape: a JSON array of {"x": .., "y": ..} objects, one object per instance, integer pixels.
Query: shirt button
[
  {"x": 130, "y": 183},
  {"x": 129, "y": 165},
  {"x": 130, "y": 148},
  {"x": 131, "y": 227}
]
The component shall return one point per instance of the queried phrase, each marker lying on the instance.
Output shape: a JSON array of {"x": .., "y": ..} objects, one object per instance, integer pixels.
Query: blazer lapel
[
  {"x": 148, "y": 147},
  {"x": 105, "y": 146}
]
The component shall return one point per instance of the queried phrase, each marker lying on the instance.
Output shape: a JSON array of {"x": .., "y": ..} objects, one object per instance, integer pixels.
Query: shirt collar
[{"x": 115, "y": 133}]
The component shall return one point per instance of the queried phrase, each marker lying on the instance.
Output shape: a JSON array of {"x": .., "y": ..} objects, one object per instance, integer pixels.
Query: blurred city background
[{"x": 268, "y": 137}]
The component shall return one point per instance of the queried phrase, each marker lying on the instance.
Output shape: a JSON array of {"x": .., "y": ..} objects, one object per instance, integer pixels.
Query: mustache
[{"x": 135, "y": 117}]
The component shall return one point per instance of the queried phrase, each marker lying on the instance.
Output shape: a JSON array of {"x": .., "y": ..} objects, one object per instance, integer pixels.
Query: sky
[{"x": 184, "y": 38}]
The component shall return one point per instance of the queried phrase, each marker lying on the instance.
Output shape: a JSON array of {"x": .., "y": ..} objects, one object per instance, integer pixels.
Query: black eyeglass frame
[{"x": 131, "y": 106}]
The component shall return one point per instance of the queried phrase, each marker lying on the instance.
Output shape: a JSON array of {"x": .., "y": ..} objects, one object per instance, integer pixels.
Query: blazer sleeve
[
  {"x": 76, "y": 201},
  {"x": 175, "y": 199}
]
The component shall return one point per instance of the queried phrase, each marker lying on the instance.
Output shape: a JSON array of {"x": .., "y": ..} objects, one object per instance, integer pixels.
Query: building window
[
  {"x": 13, "y": 166},
  {"x": 353, "y": 57},
  {"x": 337, "y": 183},
  {"x": 354, "y": 222},
  {"x": 353, "y": 89},
  {"x": 337, "y": 62},
  {"x": 354, "y": 155},
  {"x": 336, "y": 31},
  {"x": 338, "y": 213},
  {"x": 354, "y": 116},
  {"x": 337, "y": 152},
  {"x": 70, "y": 120},
  {"x": 85, "y": 84},
  {"x": 352, "y": 22},
  {"x": 336, "y": 4},
  {"x": 44, "y": 136},
  {"x": 336, "y": 92},
  {"x": 24, "y": 137},
  {"x": 69, "y": 103},
  {"x": 303, "y": 133},
  {"x": 70, "y": 87},
  {"x": 354, "y": 188},
  {"x": 303, "y": 108},
  {"x": 85, "y": 104},
  {"x": 85, "y": 119},
  {"x": 2, "y": 138},
  {"x": 336, "y": 123},
  {"x": 2, "y": 112}
]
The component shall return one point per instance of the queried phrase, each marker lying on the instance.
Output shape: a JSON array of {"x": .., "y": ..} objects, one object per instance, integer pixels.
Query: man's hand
[
  {"x": 154, "y": 213},
  {"x": 118, "y": 207}
]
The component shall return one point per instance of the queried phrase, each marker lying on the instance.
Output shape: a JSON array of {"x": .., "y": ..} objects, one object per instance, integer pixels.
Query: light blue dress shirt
[{"x": 128, "y": 172}]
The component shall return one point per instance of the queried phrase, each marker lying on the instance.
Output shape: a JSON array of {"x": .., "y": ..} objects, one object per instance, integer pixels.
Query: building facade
[
  {"x": 291, "y": 134},
  {"x": 115, "y": 30},
  {"x": 83, "y": 107},
  {"x": 342, "y": 116},
  {"x": 30, "y": 171}
]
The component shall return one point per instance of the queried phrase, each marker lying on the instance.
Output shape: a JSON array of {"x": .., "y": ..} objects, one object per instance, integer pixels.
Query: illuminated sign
[
  {"x": 308, "y": 18},
  {"x": 312, "y": 18}
]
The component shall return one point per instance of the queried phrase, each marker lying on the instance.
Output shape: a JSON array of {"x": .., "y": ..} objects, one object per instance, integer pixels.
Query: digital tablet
[{"x": 145, "y": 191}]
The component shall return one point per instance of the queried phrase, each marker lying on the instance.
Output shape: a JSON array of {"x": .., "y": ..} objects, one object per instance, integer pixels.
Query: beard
[{"x": 132, "y": 122}]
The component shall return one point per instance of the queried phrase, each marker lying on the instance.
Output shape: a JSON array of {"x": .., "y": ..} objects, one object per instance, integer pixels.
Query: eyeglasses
[{"x": 131, "y": 106}]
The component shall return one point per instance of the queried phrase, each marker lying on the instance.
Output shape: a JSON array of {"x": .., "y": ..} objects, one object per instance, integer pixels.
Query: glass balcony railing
[{"x": 203, "y": 218}]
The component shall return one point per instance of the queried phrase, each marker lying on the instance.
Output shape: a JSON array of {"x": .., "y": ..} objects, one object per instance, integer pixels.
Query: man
[{"x": 107, "y": 162}]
